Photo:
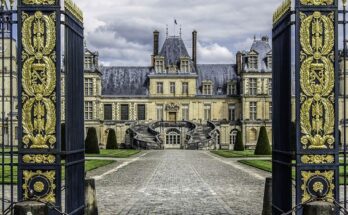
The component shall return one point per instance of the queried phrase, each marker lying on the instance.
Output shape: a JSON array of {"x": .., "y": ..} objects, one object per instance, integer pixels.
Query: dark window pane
[
  {"x": 124, "y": 112},
  {"x": 141, "y": 112},
  {"x": 108, "y": 112}
]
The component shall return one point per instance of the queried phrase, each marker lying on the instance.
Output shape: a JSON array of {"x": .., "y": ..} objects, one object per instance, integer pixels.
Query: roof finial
[
  {"x": 166, "y": 31},
  {"x": 254, "y": 37},
  {"x": 180, "y": 31}
]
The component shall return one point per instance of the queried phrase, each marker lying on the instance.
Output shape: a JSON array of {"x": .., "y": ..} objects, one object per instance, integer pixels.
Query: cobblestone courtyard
[{"x": 179, "y": 182}]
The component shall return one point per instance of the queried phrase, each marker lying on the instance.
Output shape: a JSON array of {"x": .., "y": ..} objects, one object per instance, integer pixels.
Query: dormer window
[
  {"x": 159, "y": 64},
  {"x": 232, "y": 88},
  {"x": 269, "y": 61},
  {"x": 252, "y": 61},
  {"x": 207, "y": 88},
  {"x": 88, "y": 62},
  {"x": 185, "y": 65}
]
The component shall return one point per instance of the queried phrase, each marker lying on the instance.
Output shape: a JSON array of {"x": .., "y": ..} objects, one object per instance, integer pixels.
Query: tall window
[
  {"x": 141, "y": 111},
  {"x": 185, "y": 66},
  {"x": 160, "y": 87},
  {"x": 233, "y": 139},
  {"x": 88, "y": 86},
  {"x": 253, "y": 110},
  {"x": 88, "y": 62},
  {"x": 88, "y": 110},
  {"x": 185, "y": 88},
  {"x": 207, "y": 112},
  {"x": 124, "y": 112},
  {"x": 159, "y": 110},
  {"x": 172, "y": 87},
  {"x": 269, "y": 61},
  {"x": 253, "y": 86},
  {"x": 207, "y": 89},
  {"x": 107, "y": 112},
  {"x": 270, "y": 111},
  {"x": 232, "y": 89},
  {"x": 185, "y": 112},
  {"x": 253, "y": 61},
  {"x": 270, "y": 86},
  {"x": 232, "y": 112},
  {"x": 159, "y": 66}
]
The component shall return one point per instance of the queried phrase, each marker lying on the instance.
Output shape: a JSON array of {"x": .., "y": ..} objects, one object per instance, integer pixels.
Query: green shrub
[
  {"x": 239, "y": 146},
  {"x": 263, "y": 147},
  {"x": 111, "y": 142},
  {"x": 91, "y": 142}
]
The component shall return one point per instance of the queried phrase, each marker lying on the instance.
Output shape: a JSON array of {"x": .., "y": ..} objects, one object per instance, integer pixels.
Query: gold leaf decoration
[
  {"x": 34, "y": 181},
  {"x": 281, "y": 11},
  {"x": 317, "y": 80},
  {"x": 317, "y": 2},
  {"x": 308, "y": 176},
  {"x": 317, "y": 159},
  {"x": 72, "y": 8},
  {"x": 39, "y": 80},
  {"x": 39, "y": 2},
  {"x": 39, "y": 159}
]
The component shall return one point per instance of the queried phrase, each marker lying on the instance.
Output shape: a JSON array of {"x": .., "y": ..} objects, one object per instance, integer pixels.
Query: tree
[
  {"x": 239, "y": 146},
  {"x": 263, "y": 147},
  {"x": 111, "y": 142},
  {"x": 91, "y": 142}
]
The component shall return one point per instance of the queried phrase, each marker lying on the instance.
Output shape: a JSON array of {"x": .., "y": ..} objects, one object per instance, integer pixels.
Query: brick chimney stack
[
  {"x": 155, "y": 46},
  {"x": 194, "y": 47}
]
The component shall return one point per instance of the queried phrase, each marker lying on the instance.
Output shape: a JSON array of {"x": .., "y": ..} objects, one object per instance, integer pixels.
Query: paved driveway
[{"x": 179, "y": 182}]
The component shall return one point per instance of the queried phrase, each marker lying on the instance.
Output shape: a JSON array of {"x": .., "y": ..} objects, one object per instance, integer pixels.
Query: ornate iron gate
[
  {"x": 307, "y": 94},
  {"x": 35, "y": 76}
]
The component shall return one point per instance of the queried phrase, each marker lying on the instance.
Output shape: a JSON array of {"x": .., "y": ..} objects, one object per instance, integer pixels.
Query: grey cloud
[{"x": 122, "y": 30}]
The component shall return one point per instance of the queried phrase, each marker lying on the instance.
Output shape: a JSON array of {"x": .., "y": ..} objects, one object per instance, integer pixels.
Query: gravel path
[{"x": 179, "y": 182}]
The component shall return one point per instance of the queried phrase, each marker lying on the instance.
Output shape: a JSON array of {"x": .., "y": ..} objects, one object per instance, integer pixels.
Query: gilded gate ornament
[
  {"x": 39, "y": 80},
  {"x": 39, "y": 184},
  {"x": 39, "y": 2},
  {"x": 317, "y": 78},
  {"x": 317, "y": 2},
  {"x": 317, "y": 159},
  {"x": 317, "y": 181}
]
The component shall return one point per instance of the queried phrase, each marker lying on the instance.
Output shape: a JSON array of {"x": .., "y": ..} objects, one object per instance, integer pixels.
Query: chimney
[
  {"x": 155, "y": 46},
  {"x": 239, "y": 62},
  {"x": 194, "y": 47}
]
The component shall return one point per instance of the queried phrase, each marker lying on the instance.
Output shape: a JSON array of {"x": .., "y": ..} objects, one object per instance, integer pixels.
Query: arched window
[
  {"x": 252, "y": 134},
  {"x": 218, "y": 137},
  {"x": 233, "y": 137},
  {"x": 173, "y": 137}
]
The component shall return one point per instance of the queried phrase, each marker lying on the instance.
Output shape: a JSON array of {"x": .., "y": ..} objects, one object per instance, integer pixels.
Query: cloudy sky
[{"x": 121, "y": 30}]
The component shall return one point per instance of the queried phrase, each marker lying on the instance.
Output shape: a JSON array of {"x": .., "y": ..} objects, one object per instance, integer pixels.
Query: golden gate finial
[{"x": 281, "y": 11}]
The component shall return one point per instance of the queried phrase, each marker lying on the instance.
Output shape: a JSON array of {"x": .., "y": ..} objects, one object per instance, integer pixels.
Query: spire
[
  {"x": 180, "y": 32},
  {"x": 167, "y": 32}
]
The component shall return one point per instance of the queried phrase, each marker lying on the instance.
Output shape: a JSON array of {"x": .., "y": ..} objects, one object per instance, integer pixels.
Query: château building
[{"x": 176, "y": 102}]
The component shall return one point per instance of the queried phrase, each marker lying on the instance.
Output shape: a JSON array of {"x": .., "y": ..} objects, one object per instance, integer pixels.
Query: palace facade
[{"x": 175, "y": 102}]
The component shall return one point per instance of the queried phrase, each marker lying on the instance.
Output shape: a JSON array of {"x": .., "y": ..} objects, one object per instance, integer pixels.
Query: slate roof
[
  {"x": 172, "y": 49},
  {"x": 262, "y": 47},
  {"x": 219, "y": 74},
  {"x": 125, "y": 80}
]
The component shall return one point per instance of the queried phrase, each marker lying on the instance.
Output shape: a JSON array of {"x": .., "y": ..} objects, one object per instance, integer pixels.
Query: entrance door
[{"x": 172, "y": 116}]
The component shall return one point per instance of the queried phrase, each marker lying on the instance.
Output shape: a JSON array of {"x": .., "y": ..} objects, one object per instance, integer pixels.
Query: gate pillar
[
  {"x": 39, "y": 163},
  {"x": 316, "y": 75}
]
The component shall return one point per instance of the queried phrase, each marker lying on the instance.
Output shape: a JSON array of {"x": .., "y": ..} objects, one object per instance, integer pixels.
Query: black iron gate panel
[
  {"x": 74, "y": 117},
  {"x": 39, "y": 170},
  {"x": 282, "y": 152}
]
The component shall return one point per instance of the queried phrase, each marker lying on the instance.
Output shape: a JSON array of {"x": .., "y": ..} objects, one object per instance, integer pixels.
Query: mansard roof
[
  {"x": 125, "y": 80},
  {"x": 219, "y": 74},
  {"x": 263, "y": 48},
  {"x": 173, "y": 49}
]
